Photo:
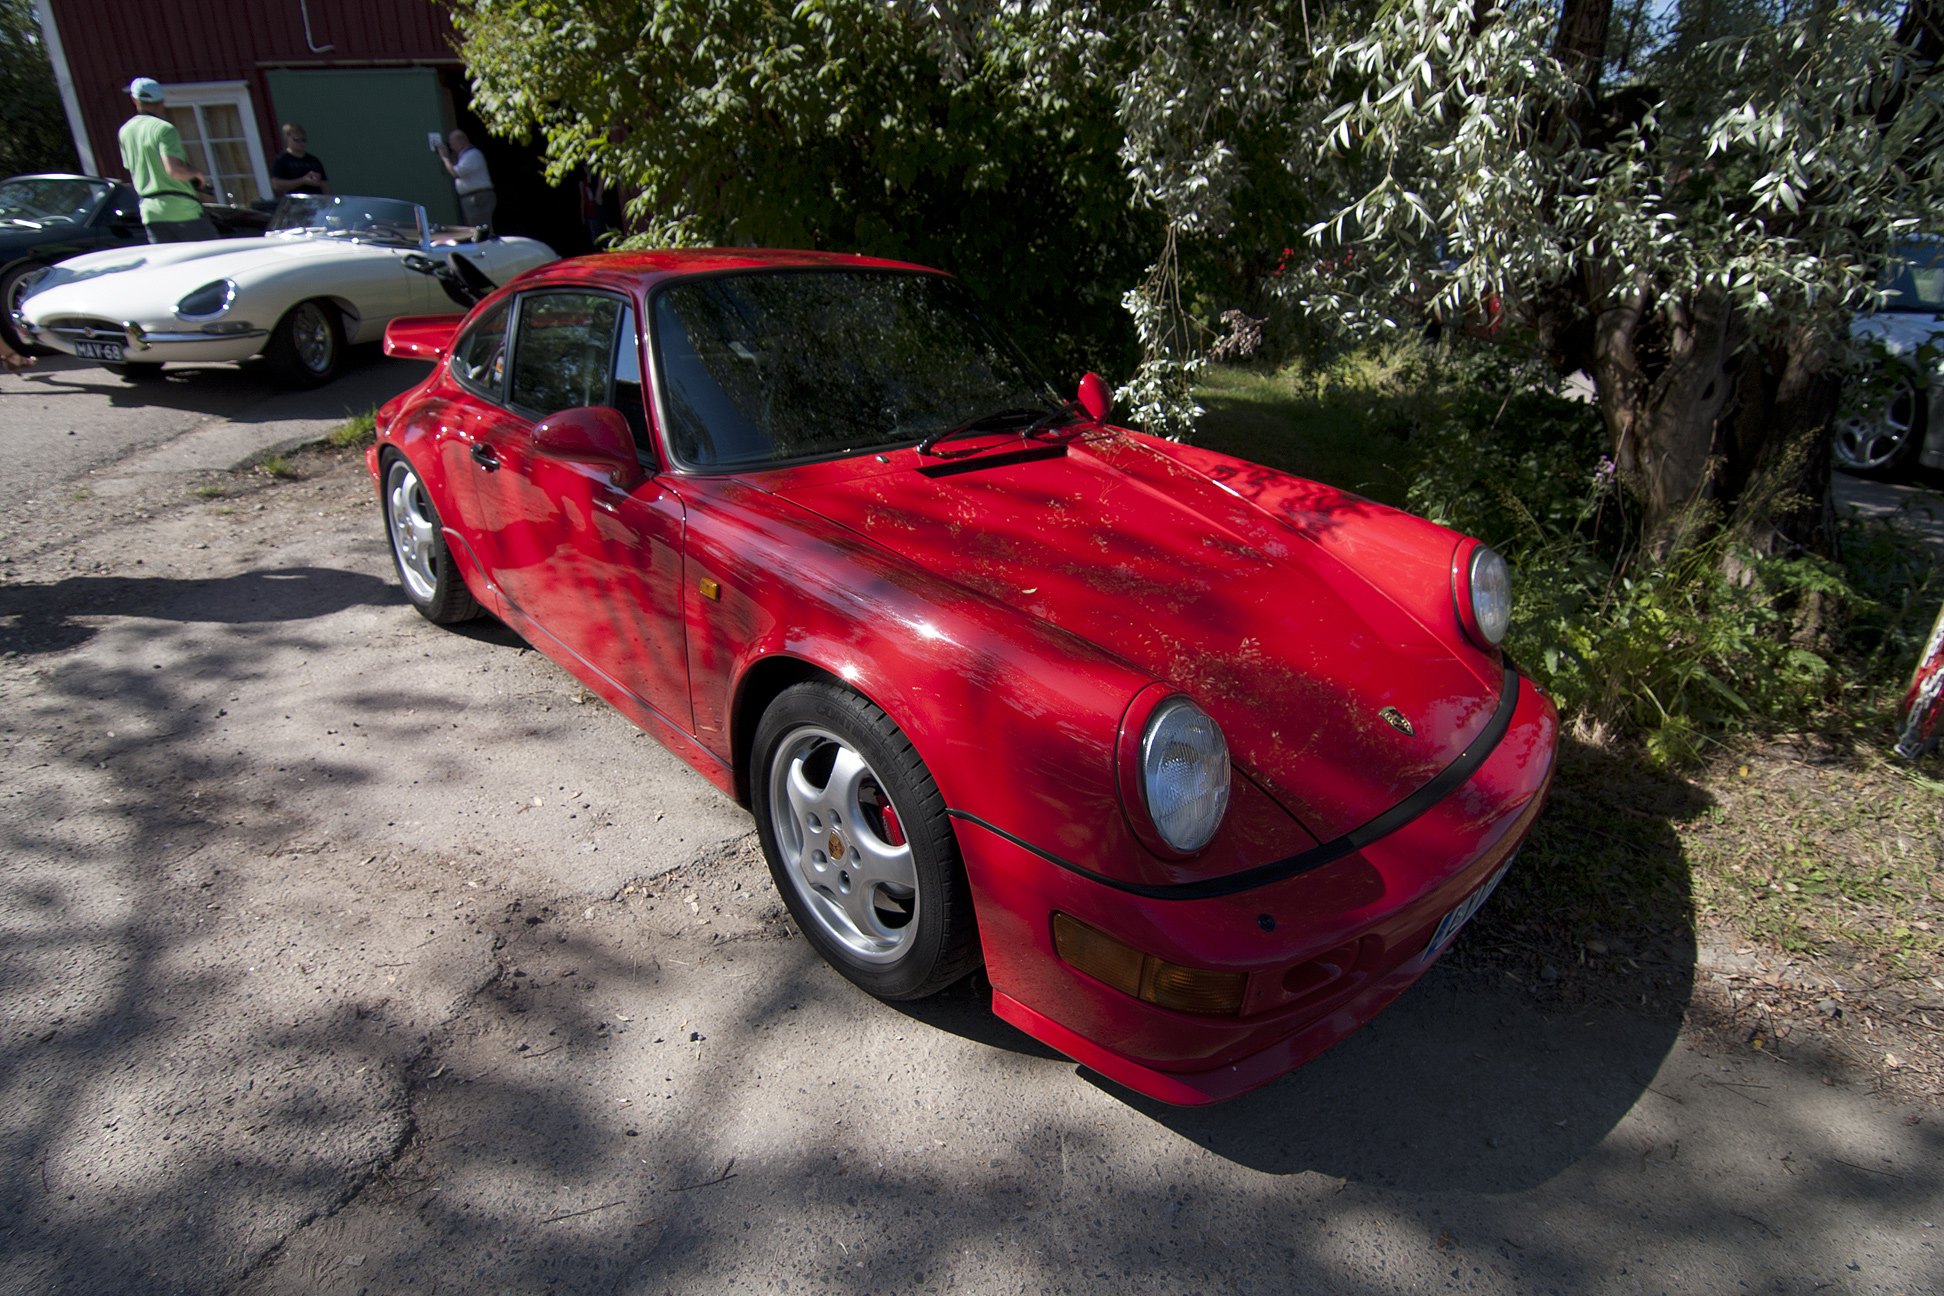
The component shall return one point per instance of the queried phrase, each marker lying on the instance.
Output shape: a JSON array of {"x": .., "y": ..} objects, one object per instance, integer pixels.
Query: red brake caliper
[{"x": 893, "y": 830}]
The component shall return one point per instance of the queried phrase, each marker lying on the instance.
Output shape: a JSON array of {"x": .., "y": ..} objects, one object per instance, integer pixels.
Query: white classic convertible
[{"x": 330, "y": 270}]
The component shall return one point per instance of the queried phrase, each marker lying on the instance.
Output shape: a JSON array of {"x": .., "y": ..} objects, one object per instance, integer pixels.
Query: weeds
[
  {"x": 210, "y": 490},
  {"x": 277, "y": 466},
  {"x": 358, "y": 430}
]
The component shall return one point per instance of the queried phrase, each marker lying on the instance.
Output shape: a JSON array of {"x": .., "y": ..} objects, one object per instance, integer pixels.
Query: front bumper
[
  {"x": 85, "y": 337},
  {"x": 1324, "y": 951}
]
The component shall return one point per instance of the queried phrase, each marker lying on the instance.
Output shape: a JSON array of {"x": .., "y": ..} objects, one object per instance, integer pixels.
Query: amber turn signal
[{"x": 1156, "y": 981}]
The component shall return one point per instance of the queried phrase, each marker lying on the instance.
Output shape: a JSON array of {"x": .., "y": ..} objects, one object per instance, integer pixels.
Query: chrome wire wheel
[
  {"x": 1882, "y": 440},
  {"x": 312, "y": 338},
  {"x": 414, "y": 531},
  {"x": 843, "y": 846}
]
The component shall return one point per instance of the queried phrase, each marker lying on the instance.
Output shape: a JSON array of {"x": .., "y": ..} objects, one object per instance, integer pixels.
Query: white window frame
[{"x": 236, "y": 93}]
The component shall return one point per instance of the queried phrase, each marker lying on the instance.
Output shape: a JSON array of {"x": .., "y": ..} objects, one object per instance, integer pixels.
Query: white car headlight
[
  {"x": 1184, "y": 774},
  {"x": 208, "y": 301},
  {"x": 1490, "y": 582}
]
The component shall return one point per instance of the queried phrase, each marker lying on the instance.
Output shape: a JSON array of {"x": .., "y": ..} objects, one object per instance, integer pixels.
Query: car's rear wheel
[
  {"x": 419, "y": 551},
  {"x": 859, "y": 844},
  {"x": 307, "y": 345},
  {"x": 1885, "y": 442}
]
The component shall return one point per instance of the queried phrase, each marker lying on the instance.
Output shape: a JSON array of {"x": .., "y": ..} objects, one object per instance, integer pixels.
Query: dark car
[{"x": 49, "y": 218}]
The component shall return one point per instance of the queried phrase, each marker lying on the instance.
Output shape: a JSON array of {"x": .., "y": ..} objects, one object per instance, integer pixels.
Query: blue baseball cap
[{"x": 147, "y": 89}]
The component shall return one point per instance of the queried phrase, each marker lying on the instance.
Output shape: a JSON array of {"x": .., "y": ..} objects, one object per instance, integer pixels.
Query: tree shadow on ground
[{"x": 45, "y": 618}]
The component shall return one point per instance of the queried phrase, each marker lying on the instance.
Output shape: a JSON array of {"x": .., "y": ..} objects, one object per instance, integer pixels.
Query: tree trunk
[{"x": 1661, "y": 418}]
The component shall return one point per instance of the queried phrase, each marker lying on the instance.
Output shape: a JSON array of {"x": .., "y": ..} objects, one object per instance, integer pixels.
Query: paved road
[{"x": 340, "y": 953}]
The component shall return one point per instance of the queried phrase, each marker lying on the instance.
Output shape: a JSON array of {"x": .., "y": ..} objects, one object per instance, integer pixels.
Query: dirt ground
[{"x": 347, "y": 954}]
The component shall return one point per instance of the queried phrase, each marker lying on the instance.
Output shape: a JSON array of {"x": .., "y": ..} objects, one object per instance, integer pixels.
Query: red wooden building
[{"x": 368, "y": 80}]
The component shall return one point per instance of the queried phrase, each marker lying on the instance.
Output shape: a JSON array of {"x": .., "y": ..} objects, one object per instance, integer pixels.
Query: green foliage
[
  {"x": 1670, "y": 652},
  {"x": 33, "y": 128},
  {"x": 358, "y": 430},
  {"x": 976, "y": 144}
]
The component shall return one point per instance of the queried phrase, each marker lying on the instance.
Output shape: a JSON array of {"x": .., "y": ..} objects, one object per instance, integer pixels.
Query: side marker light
[{"x": 1150, "y": 979}]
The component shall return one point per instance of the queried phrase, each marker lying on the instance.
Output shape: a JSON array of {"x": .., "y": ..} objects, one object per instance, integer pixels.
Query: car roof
[{"x": 643, "y": 269}]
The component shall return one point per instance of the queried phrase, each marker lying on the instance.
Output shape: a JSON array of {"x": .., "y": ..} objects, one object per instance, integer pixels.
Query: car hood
[
  {"x": 1291, "y": 648},
  {"x": 107, "y": 283},
  {"x": 1901, "y": 332}
]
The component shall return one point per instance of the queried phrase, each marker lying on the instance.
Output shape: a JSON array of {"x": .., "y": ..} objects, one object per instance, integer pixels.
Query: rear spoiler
[{"x": 421, "y": 337}]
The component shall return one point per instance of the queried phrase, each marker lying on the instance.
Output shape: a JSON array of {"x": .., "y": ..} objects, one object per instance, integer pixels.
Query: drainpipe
[{"x": 71, "y": 103}]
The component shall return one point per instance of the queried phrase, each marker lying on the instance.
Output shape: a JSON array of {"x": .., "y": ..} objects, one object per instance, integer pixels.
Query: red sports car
[{"x": 1205, "y": 763}]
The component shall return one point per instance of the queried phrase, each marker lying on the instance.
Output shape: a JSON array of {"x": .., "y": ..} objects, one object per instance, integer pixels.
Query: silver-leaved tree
[{"x": 1686, "y": 201}]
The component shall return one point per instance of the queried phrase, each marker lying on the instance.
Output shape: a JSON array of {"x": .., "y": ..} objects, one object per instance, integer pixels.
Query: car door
[{"x": 593, "y": 565}]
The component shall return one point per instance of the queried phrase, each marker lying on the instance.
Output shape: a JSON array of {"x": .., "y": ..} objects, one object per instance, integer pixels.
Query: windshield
[
  {"x": 42, "y": 201},
  {"x": 365, "y": 220},
  {"x": 1918, "y": 283},
  {"x": 789, "y": 364}
]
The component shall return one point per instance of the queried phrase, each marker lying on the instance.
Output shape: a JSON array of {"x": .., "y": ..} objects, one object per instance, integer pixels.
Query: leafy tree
[
  {"x": 33, "y": 128},
  {"x": 1688, "y": 202},
  {"x": 975, "y": 140}
]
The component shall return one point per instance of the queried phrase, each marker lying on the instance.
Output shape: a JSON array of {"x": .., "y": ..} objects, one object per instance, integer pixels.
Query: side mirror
[
  {"x": 590, "y": 434},
  {"x": 421, "y": 337},
  {"x": 1096, "y": 398}
]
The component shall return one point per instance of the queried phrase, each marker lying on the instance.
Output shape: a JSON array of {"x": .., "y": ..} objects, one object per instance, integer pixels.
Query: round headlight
[
  {"x": 1491, "y": 595},
  {"x": 1184, "y": 774},
  {"x": 208, "y": 301}
]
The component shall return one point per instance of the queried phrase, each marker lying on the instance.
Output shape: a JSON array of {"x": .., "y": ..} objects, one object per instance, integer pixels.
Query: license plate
[
  {"x": 1448, "y": 926},
  {"x": 109, "y": 351}
]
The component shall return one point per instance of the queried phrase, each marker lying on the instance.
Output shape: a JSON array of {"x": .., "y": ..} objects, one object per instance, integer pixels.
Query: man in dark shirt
[{"x": 294, "y": 170}]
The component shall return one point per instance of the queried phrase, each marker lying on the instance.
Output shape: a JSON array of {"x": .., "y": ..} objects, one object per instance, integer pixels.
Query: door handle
[{"x": 485, "y": 456}]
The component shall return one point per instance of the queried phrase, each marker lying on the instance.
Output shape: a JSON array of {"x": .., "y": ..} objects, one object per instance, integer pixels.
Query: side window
[
  {"x": 479, "y": 358},
  {"x": 563, "y": 351},
  {"x": 627, "y": 385}
]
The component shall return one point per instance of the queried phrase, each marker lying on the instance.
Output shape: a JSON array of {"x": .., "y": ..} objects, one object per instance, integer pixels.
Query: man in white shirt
[{"x": 467, "y": 167}]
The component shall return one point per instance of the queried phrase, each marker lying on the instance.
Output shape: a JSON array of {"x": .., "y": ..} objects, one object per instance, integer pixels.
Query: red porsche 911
[{"x": 1205, "y": 763}]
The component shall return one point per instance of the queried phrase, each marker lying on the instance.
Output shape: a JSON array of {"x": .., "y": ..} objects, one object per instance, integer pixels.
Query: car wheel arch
[{"x": 760, "y": 683}]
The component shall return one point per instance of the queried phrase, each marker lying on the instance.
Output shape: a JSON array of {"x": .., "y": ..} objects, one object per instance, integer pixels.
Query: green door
[{"x": 369, "y": 127}]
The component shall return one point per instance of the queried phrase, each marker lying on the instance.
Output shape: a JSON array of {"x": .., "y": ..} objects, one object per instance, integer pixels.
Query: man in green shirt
[{"x": 152, "y": 151}]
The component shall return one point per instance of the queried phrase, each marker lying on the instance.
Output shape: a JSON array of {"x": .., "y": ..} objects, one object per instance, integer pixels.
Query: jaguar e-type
[
  {"x": 330, "y": 270},
  {"x": 53, "y": 216},
  {"x": 1205, "y": 763}
]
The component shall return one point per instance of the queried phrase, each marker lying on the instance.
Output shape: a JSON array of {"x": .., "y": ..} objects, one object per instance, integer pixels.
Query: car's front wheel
[
  {"x": 859, "y": 844},
  {"x": 1885, "y": 442},
  {"x": 418, "y": 547},
  {"x": 307, "y": 345},
  {"x": 14, "y": 283}
]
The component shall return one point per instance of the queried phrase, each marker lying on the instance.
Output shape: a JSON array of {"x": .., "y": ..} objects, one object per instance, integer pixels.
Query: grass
[
  {"x": 277, "y": 466},
  {"x": 1308, "y": 425},
  {"x": 210, "y": 490},
  {"x": 358, "y": 430}
]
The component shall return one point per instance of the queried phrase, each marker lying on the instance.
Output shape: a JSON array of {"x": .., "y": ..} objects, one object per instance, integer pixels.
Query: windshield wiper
[{"x": 1041, "y": 419}]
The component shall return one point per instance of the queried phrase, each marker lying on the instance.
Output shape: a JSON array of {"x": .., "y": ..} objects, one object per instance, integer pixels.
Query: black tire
[
  {"x": 136, "y": 370},
  {"x": 11, "y": 282},
  {"x": 894, "y": 940},
  {"x": 1885, "y": 443},
  {"x": 419, "y": 554},
  {"x": 307, "y": 346}
]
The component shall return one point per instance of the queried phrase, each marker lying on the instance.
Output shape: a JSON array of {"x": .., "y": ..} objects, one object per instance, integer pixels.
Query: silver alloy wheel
[
  {"x": 414, "y": 534},
  {"x": 310, "y": 334},
  {"x": 826, "y": 806},
  {"x": 1872, "y": 441}
]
